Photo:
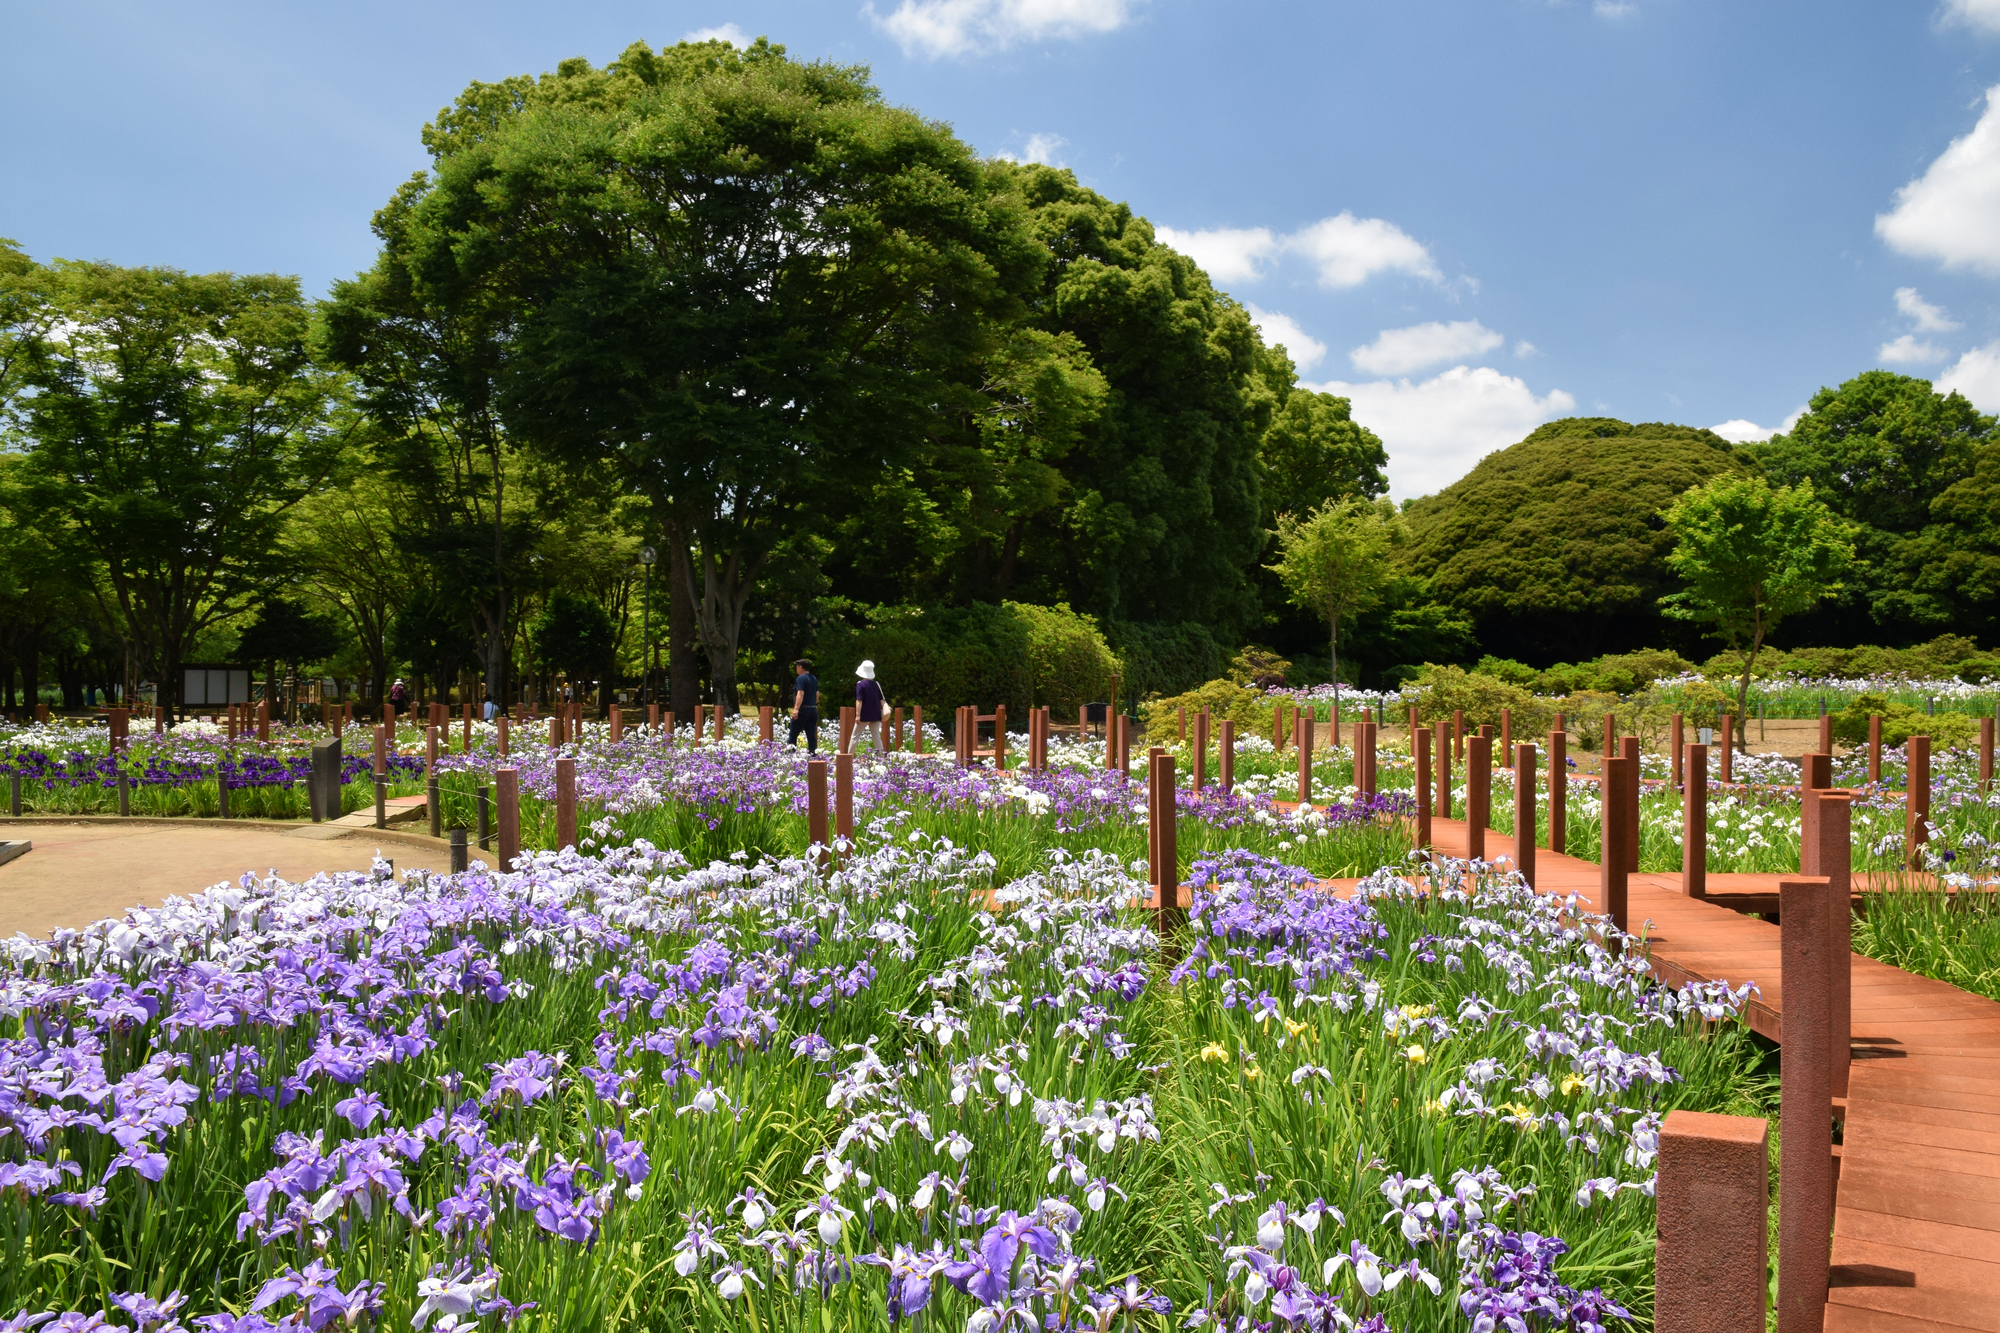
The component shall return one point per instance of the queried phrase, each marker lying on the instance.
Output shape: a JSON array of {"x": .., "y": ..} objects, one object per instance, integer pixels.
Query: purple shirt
[{"x": 869, "y": 693}]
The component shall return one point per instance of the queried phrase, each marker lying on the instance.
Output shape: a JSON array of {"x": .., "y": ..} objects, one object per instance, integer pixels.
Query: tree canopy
[{"x": 1555, "y": 546}]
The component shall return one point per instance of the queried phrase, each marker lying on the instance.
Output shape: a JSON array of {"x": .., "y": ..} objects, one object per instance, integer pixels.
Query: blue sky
[{"x": 1469, "y": 217}]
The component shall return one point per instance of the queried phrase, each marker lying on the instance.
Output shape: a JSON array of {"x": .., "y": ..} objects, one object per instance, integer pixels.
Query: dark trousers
[{"x": 808, "y": 722}]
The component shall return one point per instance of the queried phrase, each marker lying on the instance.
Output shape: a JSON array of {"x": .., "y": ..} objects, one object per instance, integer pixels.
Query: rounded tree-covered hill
[{"x": 1555, "y": 546}]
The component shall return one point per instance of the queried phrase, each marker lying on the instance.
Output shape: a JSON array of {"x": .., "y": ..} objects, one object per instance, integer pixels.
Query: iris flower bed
[{"x": 901, "y": 1089}]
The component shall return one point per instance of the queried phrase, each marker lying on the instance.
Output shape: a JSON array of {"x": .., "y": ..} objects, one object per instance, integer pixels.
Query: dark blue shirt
[
  {"x": 808, "y": 691},
  {"x": 869, "y": 693}
]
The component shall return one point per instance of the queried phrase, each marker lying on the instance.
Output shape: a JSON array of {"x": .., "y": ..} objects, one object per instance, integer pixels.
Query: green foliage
[
  {"x": 1250, "y": 708},
  {"x": 1507, "y": 669},
  {"x": 1335, "y": 561},
  {"x": 1439, "y": 691},
  {"x": 284, "y": 632},
  {"x": 428, "y": 631},
  {"x": 1314, "y": 454},
  {"x": 984, "y": 654},
  {"x": 574, "y": 635},
  {"x": 1259, "y": 667},
  {"x": 1914, "y": 470},
  {"x": 1900, "y": 722},
  {"x": 1613, "y": 673},
  {"x": 1165, "y": 658},
  {"x": 1945, "y": 656},
  {"x": 1555, "y": 543}
]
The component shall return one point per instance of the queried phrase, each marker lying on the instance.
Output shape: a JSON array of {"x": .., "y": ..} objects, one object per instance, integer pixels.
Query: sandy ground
[{"x": 79, "y": 873}]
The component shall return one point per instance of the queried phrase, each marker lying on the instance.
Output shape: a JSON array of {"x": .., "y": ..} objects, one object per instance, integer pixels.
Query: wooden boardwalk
[{"x": 1916, "y": 1237}]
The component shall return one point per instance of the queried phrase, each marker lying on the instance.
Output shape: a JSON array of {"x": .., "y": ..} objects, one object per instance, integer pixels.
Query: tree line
[{"x": 727, "y": 304}]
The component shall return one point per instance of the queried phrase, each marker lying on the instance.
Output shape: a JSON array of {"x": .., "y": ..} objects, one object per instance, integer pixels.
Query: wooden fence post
[
  {"x": 1711, "y": 1257},
  {"x": 1725, "y": 737},
  {"x": 816, "y": 833},
  {"x": 1198, "y": 765},
  {"x": 1830, "y": 855},
  {"x": 843, "y": 796},
  {"x": 1874, "y": 748},
  {"x": 500, "y": 726},
  {"x": 1304, "y": 741},
  {"x": 1694, "y": 823},
  {"x": 1180, "y": 724},
  {"x": 381, "y": 777},
  {"x": 1458, "y": 734},
  {"x": 263, "y": 722},
  {"x": 565, "y": 802},
  {"x": 1559, "y": 789},
  {"x": 1825, "y": 730},
  {"x": 1364, "y": 754},
  {"x": 721, "y": 719},
  {"x": 1610, "y": 734},
  {"x": 1444, "y": 742},
  {"x": 1678, "y": 740},
  {"x": 917, "y": 728},
  {"x": 1524, "y": 811},
  {"x": 1805, "y": 1106},
  {"x": 1917, "y": 814},
  {"x": 1278, "y": 725},
  {"x": 1164, "y": 812},
  {"x": 1986, "y": 754},
  {"x": 1628, "y": 748},
  {"x": 507, "y": 794},
  {"x": 1125, "y": 744},
  {"x": 1506, "y": 731},
  {"x": 1478, "y": 794},
  {"x": 617, "y": 724},
  {"x": 653, "y": 721},
  {"x": 1226, "y": 758},
  {"x": 1815, "y": 774},
  {"x": 1420, "y": 746},
  {"x": 1614, "y": 856}
]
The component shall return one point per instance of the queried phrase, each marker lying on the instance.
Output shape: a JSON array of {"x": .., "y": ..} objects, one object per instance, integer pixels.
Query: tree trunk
[
  {"x": 725, "y": 592},
  {"x": 1333, "y": 653}
]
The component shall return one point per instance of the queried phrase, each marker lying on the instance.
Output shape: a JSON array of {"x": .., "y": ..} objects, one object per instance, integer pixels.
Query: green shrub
[
  {"x": 1507, "y": 669},
  {"x": 1614, "y": 673},
  {"x": 1438, "y": 691},
  {"x": 1248, "y": 707},
  {"x": 1014, "y": 654},
  {"x": 1166, "y": 659},
  {"x": 1900, "y": 722}
]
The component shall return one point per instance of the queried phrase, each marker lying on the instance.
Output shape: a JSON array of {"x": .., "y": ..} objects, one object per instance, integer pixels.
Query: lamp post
[{"x": 647, "y": 557}]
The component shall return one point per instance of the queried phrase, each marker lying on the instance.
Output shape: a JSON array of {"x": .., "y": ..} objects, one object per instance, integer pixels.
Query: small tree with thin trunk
[
  {"x": 1335, "y": 562},
  {"x": 1750, "y": 555}
]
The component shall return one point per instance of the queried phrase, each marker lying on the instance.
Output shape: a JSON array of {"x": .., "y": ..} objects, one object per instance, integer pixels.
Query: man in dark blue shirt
[{"x": 805, "y": 706}]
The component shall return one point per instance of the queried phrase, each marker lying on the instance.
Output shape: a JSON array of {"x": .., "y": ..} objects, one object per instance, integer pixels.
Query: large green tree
[
  {"x": 173, "y": 419},
  {"x": 1883, "y": 450},
  {"x": 743, "y": 281},
  {"x": 1554, "y": 546}
]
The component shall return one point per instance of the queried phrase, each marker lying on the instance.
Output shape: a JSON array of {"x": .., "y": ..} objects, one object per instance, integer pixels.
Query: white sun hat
[{"x": 866, "y": 671}]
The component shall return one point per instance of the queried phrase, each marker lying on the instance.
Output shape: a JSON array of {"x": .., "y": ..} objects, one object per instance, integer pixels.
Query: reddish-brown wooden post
[
  {"x": 1420, "y": 745},
  {"x": 555, "y": 731},
  {"x": 465, "y": 744},
  {"x": 1559, "y": 789},
  {"x": 1125, "y": 744},
  {"x": 1610, "y": 735},
  {"x": 1725, "y": 736},
  {"x": 1000, "y": 738},
  {"x": 1825, "y": 730},
  {"x": 507, "y": 797},
  {"x": 263, "y": 722},
  {"x": 1805, "y": 1106},
  {"x": 843, "y": 796},
  {"x": 1524, "y": 811},
  {"x": 1226, "y": 756},
  {"x": 1367, "y": 749},
  {"x": 1180, "y": 724},
  {"x": 1458, "y": 733},
  {"x": 1444, "y": 741},
  {"x": 1278, "y": 726},
  {"x": 816, "y": 833},
  {"x": 917, "y": 728},
  {"x": 118, "y": 719},
  {"x": 1679, "y": 742},
  {"x": 1815, "y": 774},
  {"x": 720, "y": 719},
  {"x": 1506, "y": 731},
  {"x": 667, "y": 725},
  {"x": 1694, "y": 824},
  {"x": 896, "y": 730},
  {"x": 1304, "y": 741},
  {"x": 1628, "y": 748},
  {"x": 1986, "y": 754},
  {"x": 382, "y": 735},
  {"x": 1917, "y": 815},
  {"x": 617, "y": 724},
  {"x": 653, "y": 720},
  {"x": 1830, "y": 855},
  {"x": 500, "y": 736},
  {"x": 1615, "y": 856},
  {"x": 1874, "y": 748},
  {"x": 1165, "y": 820},
  {"x": 846, "y": 729},
  {"x": 565, "y": 802},
  {"x": 1710, "y": 1261},
  {"x": 1478, "y": 794},
  {"x": 1198, "y": 765},
  {"x": 700, "y": 724},
  {"x": 389, "y": 716},
  {"x": 430, "y": 749}
]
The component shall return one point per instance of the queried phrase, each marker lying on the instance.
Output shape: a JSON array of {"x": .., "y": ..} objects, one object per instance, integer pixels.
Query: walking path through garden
[{"x": 1917, "y": 1211}]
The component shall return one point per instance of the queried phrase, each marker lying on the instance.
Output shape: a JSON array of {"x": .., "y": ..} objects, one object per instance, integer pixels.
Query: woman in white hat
[{"x": 868, "y": 711}]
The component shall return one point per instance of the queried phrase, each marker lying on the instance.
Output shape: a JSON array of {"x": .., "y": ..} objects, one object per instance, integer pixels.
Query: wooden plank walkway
[{"x": 1916, "y": 1234}]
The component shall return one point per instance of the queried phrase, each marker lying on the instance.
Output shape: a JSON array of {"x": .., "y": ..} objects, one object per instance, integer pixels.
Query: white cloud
[
  {"x": 1907, "y": 351},
  {"x": 1952, "y": 212},
  {"x": 1226, "y": 254},
  {"x": 727, "y": 32},
  {"x": 1615, "y": 9},
  {"x": 1401, "y": 351},
  {"x": 1436, "y": 430},
  {"x": 959, "y": 27},
  {"x": 1974, "y": 13},
  {"x": 1524, "y": 348},
  {"x": 1351, "y": 250},
  {"x": 1741, "y": 431},
  {"x": 1930, "y": 318},
  {"x": 1977, "y": 376},
  {"x": 1279, "y": 330},
  {"x": 1040, "y": 148}
]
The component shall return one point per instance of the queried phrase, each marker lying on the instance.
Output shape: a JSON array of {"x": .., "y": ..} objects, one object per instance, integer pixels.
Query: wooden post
[
  {"x": 1420, "y": 744},
  {"x": 1613, "y": 857},
  {"x": 917, "y": 728},
  {"x": 617, "y": 724},
  {"x": 653, "y": 720},
  {"x": 1278, "y": 725},
  {"x": 1524, "y": 811},
  {"x": 1815, "y": 774},
  {"x": 766, "y": 723},
  {"x": 816, "y": 833},
  {"x": 1180, "y": 724},
  {"x": 700, "y": 722},
  {"x": 1125, "y": 744},
  {"x": 263, "y": 722},
  {"x": 555, "y": 731},
  {"x": 389, "y": 717},
  {"x": 1830, "y": 856},
  {"x": 1198, "y": 765},
  {"x": 119, "y": 721},
  {"x": 1694, "y": 824},
  {"x": 1506, "y": 731},
  {"x": 1710, "y": 1262},
  {"x": 1226, "y": 756},
  {"x": 1825, "y": 729},
  {"x": 1726, "y": 763},
  {"x": 1610, "y": 735},
  {"x": 381, "y": 777},
  {"x": 1000, "y": 738},
  {"x": 847, "y": 714},
  {"x": 896, "y": 736},
  {"x": 484, "y": 805},
  {"x": 721, "y": 718},
  {"x": 1628, "y": 748},
  {"x": 1559, "y": 789},
  {"x": 1874, "y": 749},
  {"x": 430, "y": 748},
  {"x": 1164, "y": 812},
  {"x": 1986, "y": 754},
  {"x": 1678, "y": 741},
  {"x": 843, "y": 796},
  {"x": 1458, "y": 733},
  {"x": 465, "y": 743},
  {"x": 1805, "y": 1106},
  {"x": 1917, "y": 814},
  {"x": 1111, "y": 732},
  {"x": 667, "y": 725},
  {"x": 500, "y": 724},
  {"x": 1444, "y": 738},
  {"x": 1304, "y": 741},
  {"x": 1364, "y": 752},
  {"x": 565, "y": 802},
  {"x": 1478, "y": 794},
  {"x": 507, "y": 793}
]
